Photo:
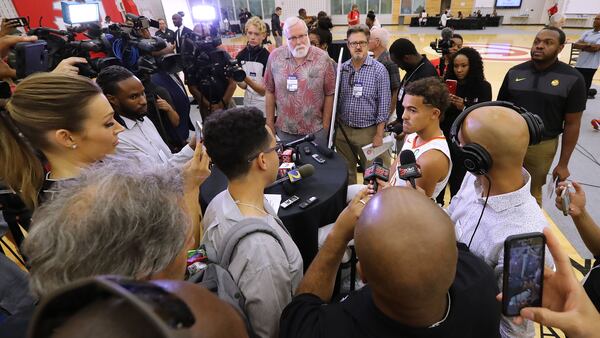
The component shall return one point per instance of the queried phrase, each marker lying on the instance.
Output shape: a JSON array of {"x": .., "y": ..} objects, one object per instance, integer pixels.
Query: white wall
[
  {"x": 150, "y": 8},
  {"x": 171, "y": 7},
  {"x": 537, "y": 11}
]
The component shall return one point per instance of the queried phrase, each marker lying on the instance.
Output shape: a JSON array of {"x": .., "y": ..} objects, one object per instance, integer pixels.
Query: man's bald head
[
  {"x": 406, "y": 246},
  {"x": 501, "y": 131}
]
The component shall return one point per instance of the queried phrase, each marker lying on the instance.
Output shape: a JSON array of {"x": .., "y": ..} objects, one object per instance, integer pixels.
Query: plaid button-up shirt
[{"x": 372, "y": 106}]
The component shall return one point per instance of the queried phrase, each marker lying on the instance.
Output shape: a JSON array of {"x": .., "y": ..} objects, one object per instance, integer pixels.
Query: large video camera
[
  {"x": 59, "y": 45},
  {"x": 443, "y": 45},
  {"x": 135, "y": 50},
  {"x": 129, "y": 45},
  {"x": 209, "y": 67}
]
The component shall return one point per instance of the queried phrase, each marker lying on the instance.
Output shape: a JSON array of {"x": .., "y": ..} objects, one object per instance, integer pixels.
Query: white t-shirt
[
  {"x": 444, "y": 19},
  {"x": 590, "y": 60},
  {"x": 251, "y": 97},
  {"x": 437, "y": 143}
]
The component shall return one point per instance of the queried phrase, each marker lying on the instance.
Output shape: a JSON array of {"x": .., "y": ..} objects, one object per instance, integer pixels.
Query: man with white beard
[{"x": 300, "y": 83}]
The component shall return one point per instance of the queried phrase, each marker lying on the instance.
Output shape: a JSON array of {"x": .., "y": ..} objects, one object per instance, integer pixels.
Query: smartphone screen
[
  {"x": 198, "y": 131},
  {"x": 523, "y": 272},
  {"x": 452, "y": 84}
]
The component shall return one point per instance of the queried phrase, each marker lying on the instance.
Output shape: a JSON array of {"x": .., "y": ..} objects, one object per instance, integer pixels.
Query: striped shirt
[{"x": 365, "y": 95}]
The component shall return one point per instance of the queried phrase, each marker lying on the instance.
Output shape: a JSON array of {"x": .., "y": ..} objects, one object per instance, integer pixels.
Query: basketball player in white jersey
[{"x": 424, "y": 102}]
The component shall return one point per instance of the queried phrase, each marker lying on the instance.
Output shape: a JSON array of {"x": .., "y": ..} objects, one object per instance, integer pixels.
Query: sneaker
[{"x": 596, "y": 124}]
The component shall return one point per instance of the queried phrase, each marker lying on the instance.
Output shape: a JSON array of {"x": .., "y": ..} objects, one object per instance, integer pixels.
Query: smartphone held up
[{"x": 523, "y": 272}]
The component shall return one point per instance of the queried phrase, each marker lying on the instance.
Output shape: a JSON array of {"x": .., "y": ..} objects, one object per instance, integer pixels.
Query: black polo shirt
[
  {"x": 474, "y": 311},
  {"x": 550, "y": 94},
  {"x": 168, "y": 35}
]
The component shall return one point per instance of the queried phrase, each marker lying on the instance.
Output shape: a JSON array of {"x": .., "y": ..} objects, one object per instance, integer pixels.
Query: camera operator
[
  {"x": 254, "y": 59},
  {"x": 209, "y": 71},
  {"x": 447, "y": 45}
]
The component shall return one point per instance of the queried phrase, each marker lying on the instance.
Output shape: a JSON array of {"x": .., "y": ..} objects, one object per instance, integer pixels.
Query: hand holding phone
[
  {"x": 566, "y": 200},
  {"x": 523, "y": 272},
  {"x": 452, "y": 85},
  {"x": 576, "y": 196}
]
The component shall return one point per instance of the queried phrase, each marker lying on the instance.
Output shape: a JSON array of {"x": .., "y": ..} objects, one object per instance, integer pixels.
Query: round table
[{"x": 329, "y": 184}]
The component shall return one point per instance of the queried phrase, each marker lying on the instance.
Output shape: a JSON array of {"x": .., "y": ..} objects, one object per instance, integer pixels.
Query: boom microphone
[
  {"x": 323, "y": 151},
  {"x": 376, "y": 171},
  {"x": 293, "y": 176},
  {"x": 294, "y": 143},
  {"x": 408, "y": 170}
]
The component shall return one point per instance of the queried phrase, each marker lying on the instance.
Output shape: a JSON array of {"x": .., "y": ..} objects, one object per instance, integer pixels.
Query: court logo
[{"x": 502, "y": 52}]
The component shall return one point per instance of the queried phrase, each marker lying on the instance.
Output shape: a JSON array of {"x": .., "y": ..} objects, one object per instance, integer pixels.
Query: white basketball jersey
[{"x": 437, "y": 143}]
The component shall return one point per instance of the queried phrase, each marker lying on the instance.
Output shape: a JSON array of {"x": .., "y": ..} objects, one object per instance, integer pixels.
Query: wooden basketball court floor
[{"x": 501, "y": 48}]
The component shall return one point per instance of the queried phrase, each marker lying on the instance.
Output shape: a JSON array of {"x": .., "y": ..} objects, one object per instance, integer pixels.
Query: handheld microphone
[
  {"x": 377, "y": 171},
  {"x": 296, "y": 175},
  {"x": 294, "y": 143},
  {"x": 408, "y": 170},
  {"x": 323, "y": 151}
]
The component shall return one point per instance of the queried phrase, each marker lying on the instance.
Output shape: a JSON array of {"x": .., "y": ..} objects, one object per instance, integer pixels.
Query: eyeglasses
[
  {"x": 278, "y": 148},
  {"x": 295, "y": 38},
  {"x": 358, "y": 43}
]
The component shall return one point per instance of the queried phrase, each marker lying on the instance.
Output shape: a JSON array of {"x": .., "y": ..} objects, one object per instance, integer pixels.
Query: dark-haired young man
[
  {"x": 424, "y": 106},
  {"x": 404, "y": 53},
  {"x": 126, "y": 94},
  {"x": 242, "y": 146},
  {"x": 554, "y": 91}
]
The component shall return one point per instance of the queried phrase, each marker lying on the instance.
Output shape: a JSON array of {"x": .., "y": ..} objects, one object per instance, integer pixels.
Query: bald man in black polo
[{"x": 419, "y": 283}]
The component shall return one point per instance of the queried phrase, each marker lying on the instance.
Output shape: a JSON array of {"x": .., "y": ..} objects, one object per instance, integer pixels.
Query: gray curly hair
[{"x": 120, "y": 217}]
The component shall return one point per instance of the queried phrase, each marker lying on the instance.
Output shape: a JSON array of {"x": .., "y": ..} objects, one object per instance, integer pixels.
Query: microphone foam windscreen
[
  {"x": 407, "y": 157},
  {"x": 306, "y": 170},
  {"x": 378, "y": 161}
]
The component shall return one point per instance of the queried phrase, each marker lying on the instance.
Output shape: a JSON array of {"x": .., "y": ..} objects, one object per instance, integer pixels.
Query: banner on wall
[{"x": 48, "y": 13}]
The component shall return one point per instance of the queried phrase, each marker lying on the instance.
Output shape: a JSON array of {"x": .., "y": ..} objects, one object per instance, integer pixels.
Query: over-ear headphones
[{"x": 477, "y": 159}]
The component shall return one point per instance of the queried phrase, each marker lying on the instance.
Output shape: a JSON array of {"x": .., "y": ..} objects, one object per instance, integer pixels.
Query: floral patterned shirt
[{"x": 300, "y": 112}]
